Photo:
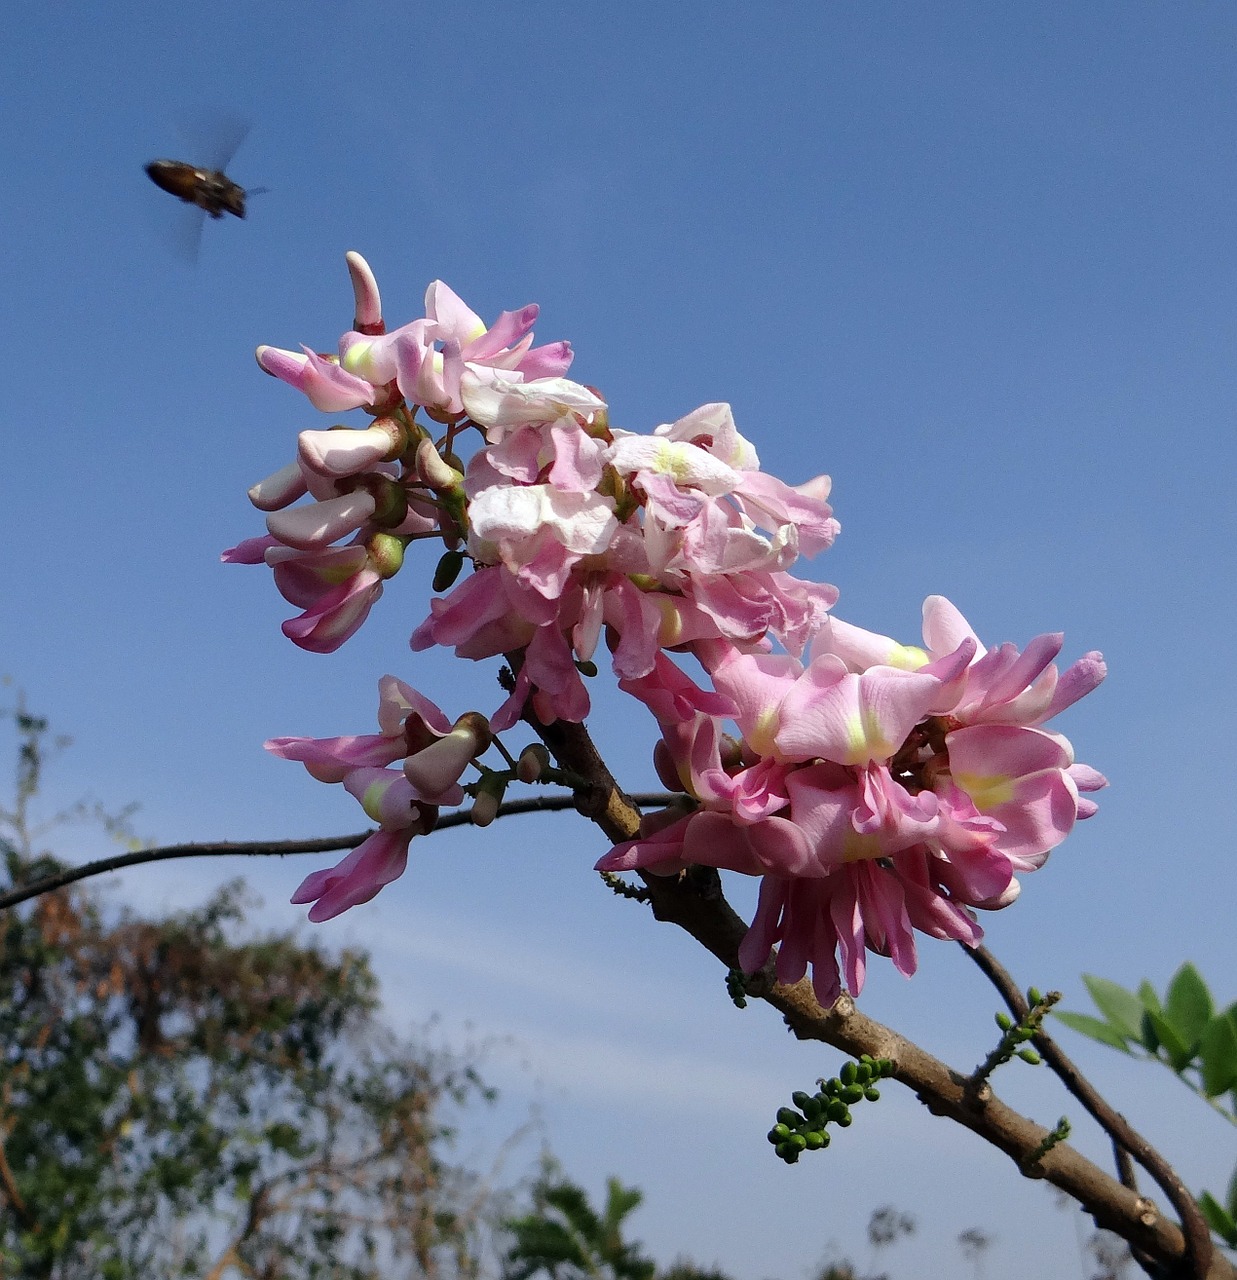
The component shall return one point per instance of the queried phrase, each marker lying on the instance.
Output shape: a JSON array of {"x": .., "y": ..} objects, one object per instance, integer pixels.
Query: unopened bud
[
  {"x": 489, "y": 796},
  {"x": 484, "y": 809},
  {"x": 438, "y": 767},
  {"x": 344, "y": 451},
  {"x": 365, "y": 289},
  {"x": 533, "y": 762},
  {"x": 317, "y": 525},
  {"x": 390, "y": 500},
  {"x": 386, "y": 554},
  {"x": 279, "y": 490},
  {"x": 434, "y": 470}
]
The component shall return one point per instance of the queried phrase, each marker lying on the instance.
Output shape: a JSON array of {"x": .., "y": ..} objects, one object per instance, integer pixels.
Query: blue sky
[{"x": 976, "y": 262}]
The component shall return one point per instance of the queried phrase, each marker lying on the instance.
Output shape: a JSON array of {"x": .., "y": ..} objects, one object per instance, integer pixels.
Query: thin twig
[
  {"x": 1199, "y": 1248},
  {"x": 283, "y": 848}
]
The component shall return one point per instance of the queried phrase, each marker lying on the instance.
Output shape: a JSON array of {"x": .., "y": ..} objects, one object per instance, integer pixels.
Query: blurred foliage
[
  {"x": 1184, "y": 1031},
  {"x": 565, "y": 1238},
  {"x": 180, "y": 1098}
]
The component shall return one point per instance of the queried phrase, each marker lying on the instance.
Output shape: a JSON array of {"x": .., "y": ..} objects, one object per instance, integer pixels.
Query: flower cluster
[
  {"x": 877, "y": 789},
  {"x": 403, "y": 802}
]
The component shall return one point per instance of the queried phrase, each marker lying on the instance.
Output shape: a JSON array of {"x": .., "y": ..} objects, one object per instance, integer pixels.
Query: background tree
[
  {"x": 180, "y": 1099},
  {"x": 565, "y": 1238}
]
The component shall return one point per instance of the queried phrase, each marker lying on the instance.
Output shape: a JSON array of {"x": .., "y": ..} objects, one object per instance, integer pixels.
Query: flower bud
[
  {"x": 533, "y": 762},
  {"x": 440, "y": 765},
  {"x": 1002, "y": 899},
  {"x": 390, "y": 500},
  {"x": 279, "y": 490},
  {"x": 319, "y": 524},
  {"x": 365, "y": 290},
  {"x": 484, "y": 809},
  {"x": 386, "y": 554},
  {"x": 344, "y": 451},
  {"x": 434, "y": 471}
]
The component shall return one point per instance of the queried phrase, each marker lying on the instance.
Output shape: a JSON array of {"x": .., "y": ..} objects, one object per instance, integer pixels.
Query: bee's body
[{"x": 210, "y": 189}]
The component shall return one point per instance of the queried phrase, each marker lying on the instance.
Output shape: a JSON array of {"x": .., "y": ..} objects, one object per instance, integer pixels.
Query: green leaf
[
  {"x": 1146, "y": 993},
  {"x": 1188, "y": 1004},
  {"x": 1093, "y": 1028},
  {"x": 1151, "y": 1042},
  {"x": 1180, "y": 1054},
  {"x": 1217, "y": 1048},
  {"x": 1122, "y": 1008},
  {"x": 1232, "y": 1194},
  {"x": 1218, "y": 1219}
]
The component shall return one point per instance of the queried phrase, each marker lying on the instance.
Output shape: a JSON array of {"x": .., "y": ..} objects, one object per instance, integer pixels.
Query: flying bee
[
  {"x": 210, "y": 189},
  {"x": 205, "y": 187}
]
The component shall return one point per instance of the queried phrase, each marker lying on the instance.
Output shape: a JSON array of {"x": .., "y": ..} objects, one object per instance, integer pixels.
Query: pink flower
[
  {"x": 1021, "y": 779},
  {"x": 408, "y": 723},
  {"x": 874, "y": 790},
  {"x": 327, "y": 386},
  {"x": 390, "y": 800},
  {"x": 539, "y": 532},
  {"x": 864, "y": 907},
  {"x": 427, "y": 358},
  {"x": 358, "y": 878},
  {"x": 336, "y": 587},
  {"x": 1002, "y": 685}
]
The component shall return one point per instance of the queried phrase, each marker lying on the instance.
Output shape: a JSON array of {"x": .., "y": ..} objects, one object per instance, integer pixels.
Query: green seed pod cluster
[
  {"x": 736, "y": 988},
  {"x": 802, "y": 1127},
  {"x": 1014, "y": 1035},
  {"x": 1017, "y": 1033}
]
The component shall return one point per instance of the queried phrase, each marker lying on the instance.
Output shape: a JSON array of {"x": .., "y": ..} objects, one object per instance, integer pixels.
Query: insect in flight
[
  {"x": 206, "y": 187},
  {"x": 210, "y": 189}
]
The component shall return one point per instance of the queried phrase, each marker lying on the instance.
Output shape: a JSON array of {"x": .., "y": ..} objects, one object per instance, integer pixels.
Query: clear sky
[{"x": 975, "y": 261}]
